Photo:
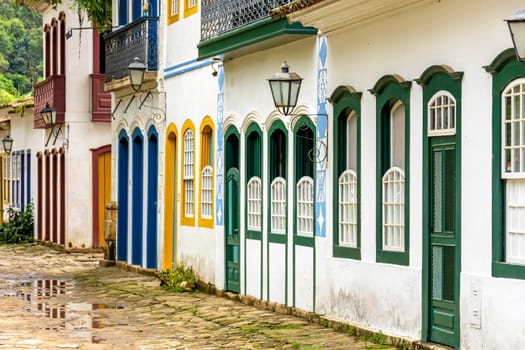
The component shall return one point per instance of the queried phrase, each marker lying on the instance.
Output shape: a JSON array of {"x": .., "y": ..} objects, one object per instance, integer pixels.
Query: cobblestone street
[{"x": 54, "y": 300}]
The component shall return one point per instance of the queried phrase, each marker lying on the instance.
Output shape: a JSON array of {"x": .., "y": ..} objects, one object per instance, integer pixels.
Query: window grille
[
  {"x": 188, "y": 173},
  {"x": 348, "y": 209},
  {"x": 515, "y": 225},
  {"x": 207, "y": 193},
  {"x": 278, "y": 206},
  {"x": 442, "y": 115},
  {"x": 174, "y": 7},
  {"x": 305, "y": 206},
  {"x": 394, "y": 210},
  {"x": 254, "y": 204},
  {"x": 513, "y": 131}
]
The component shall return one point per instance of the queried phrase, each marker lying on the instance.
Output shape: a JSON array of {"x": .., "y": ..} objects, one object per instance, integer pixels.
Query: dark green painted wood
[
  {"x": 276, "y": 152},
  {"x": 436, "y": 312},
  {"x": 345, "y": 99},
  {"x": 388, "y": 90},
  {"x": 232, "y": 211},
  {"x": 504, "y": 69},
  {"x": 253, "y": 160},
  {"x": 254, "y": 33},
  {"x": 304, "y": 142},
  {"x": 232, "y": 226}
]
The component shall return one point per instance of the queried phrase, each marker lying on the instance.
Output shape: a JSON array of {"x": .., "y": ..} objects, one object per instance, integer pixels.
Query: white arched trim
[{"x": 252, "y": 117}]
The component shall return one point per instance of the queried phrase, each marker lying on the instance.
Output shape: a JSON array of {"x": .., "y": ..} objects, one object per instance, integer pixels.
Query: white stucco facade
[{"x": 392, "y": 46}]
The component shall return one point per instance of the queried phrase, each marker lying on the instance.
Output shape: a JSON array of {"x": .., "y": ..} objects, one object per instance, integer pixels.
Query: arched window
[
  {"x": 442, "y": 114},
  {"x": 394, "y": 210},
  {"x": 254, "y": 194},
  {"x": 305, "y": 207},
  {"x": 188, "y": 168},
  {"x": 278, "y": 205},
  {"x": 348, "y": 209},
  {"x": 62, "y": 19},
  {"x": 392, "y": 177},
  {"x": 206, "y": 173},
  {"x": 47, "y": 47},
  {"x": 513, "y": 168}
]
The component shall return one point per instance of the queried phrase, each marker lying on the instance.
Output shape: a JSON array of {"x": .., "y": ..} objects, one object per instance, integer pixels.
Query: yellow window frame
[
  {"x": 190, "y": 10},
  {"x": 205, "y": 154},
  {"x": 172, "y": 18}
]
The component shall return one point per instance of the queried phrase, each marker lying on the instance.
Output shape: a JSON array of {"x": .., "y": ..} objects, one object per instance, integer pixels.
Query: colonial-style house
[
  {"x": 69, "y": 159},
  {"x": 387, "y": 196}
]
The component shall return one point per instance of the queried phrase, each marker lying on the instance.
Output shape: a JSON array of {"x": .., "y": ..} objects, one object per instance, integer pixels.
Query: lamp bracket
[
  {"x": 319, "y": 154},
  {"x": 115, "y": 110},
  {"x": 69, "y": 32}
]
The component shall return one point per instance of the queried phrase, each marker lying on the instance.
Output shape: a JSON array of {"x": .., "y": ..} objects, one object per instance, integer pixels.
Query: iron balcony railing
[
  {"x": 137, "y": 39},
  {"x": 221, "y": 16}
]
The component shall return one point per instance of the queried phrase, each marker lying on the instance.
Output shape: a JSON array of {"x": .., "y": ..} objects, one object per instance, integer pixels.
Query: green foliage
[
  {"x": 376, "y": 338},
  {"x": 19, "y": 228},
  {"x": 20, "y": 50},
  {"x": 181, "y": 279}
]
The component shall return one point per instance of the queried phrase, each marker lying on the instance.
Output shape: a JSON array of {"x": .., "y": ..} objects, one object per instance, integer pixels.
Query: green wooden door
[
  {"x": 444, "y": 252},
  {"x": 232, "y": 227}
]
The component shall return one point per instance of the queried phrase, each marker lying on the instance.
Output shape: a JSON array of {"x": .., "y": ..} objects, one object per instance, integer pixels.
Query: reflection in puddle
[{"x": 43, "y": 296}]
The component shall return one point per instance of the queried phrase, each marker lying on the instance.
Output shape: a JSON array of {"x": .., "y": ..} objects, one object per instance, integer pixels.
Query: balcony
[
  {"x": 138, "y": 39},
  {"x": 238, "y": 27},
  {"x": 100, "y": 100},
  {"x": 52, "y": 91}
]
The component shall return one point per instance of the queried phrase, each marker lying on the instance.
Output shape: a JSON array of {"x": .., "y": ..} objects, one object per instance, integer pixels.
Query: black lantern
[
  {"x": 136, "y": 71},
  {"x": 285, "y": 88},
  {"x": 517, "y": 32},
  {"x": 7, "y": 142},
  {"x": 48, "y": 115}
]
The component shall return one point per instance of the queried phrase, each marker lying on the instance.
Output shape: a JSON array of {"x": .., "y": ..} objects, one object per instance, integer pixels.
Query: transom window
[
  {"x": 442, "y": 114},
  {"x": 254, "y": 203},
  {"x": 189, "y": 163},
  {"x": 278, "y": 205}
]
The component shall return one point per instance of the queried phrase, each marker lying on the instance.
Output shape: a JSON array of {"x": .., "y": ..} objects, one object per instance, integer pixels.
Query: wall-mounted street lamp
[
  {"x": 136, "y": 71},
  {"x": 285, "y": 87},
  {"x": 516, "y": 25},
  {"x": 49, "y": 115},
  {"x": 7, "y": 143}
]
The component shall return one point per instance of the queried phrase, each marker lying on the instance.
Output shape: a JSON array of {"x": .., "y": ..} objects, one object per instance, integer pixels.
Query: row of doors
[{"x": 442, "y": 267}]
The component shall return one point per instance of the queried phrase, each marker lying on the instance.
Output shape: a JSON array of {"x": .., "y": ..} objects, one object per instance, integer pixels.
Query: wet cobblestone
[{"x": 55, "y": 300}]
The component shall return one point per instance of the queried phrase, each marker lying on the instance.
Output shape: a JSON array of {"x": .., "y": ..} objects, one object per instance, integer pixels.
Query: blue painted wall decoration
[
  {"x": 219, "y": 210},
  {"x": 322, "y": 118}
]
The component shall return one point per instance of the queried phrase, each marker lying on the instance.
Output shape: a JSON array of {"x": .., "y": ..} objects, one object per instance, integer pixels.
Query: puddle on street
[{"x": 43, "y": 297}]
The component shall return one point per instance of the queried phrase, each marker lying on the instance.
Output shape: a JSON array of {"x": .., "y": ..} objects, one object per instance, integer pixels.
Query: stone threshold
[{"x": 341, "y": 326}]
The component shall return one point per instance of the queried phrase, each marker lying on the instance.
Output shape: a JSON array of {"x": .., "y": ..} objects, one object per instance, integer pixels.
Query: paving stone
[{"x": 56, "y": 300}]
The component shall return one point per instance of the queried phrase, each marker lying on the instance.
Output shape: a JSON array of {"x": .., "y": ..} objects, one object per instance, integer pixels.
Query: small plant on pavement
[
  {"x": 19, "y": 228},
  {"x": 182, "y": 279}
]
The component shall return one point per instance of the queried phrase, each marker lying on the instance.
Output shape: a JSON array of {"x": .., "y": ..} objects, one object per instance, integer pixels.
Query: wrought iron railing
[
  {"x": 221, "y": 16},
  {"x": 138, "y": 39}
]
